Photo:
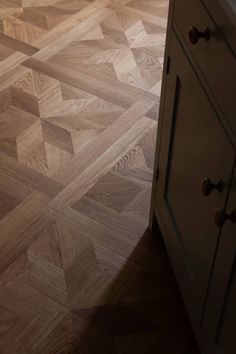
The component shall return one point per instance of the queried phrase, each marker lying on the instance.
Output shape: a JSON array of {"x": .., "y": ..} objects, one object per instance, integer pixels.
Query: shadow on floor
[{"x": 141, "y": 313}]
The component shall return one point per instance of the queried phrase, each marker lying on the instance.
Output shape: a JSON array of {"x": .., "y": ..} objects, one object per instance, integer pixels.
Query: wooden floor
[{"x": 79, "y": 93}]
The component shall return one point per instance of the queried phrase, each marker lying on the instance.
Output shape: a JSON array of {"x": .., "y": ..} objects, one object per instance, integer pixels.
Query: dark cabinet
[
  {"x": 219, "y": 324},
  {"x": 194, "y": 190},
  {"x": 190, "y": 153}
]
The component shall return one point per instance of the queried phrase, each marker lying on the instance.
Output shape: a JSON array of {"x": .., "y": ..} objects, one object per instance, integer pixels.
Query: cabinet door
[
  {"x": 193, "y": 146},
  {"x": 219, "y": 323}
]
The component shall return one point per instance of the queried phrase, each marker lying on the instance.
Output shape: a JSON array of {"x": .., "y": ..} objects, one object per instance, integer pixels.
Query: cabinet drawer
[{"x": 213, "y": 57}]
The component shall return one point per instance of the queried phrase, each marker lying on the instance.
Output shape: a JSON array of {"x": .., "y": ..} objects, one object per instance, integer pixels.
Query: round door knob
[
  {"x": 194, "y": 34},
  {"x": 221, "y": 217},
  {"x": 208, "y": 186}
]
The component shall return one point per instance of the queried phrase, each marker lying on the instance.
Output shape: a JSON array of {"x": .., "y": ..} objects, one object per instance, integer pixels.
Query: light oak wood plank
[{"x": 79, "y": 95}]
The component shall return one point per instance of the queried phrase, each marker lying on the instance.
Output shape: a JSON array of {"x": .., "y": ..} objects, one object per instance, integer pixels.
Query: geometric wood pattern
[{"x": 79, "y": 93}]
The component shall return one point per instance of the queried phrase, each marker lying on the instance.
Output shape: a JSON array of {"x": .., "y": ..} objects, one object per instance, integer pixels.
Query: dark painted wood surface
[
  {"x": 219, "y": 325},
  {"x": 213, "y": 57},
  {"x": 196, "y": 140},
  {"x": 190, "y": 151}
]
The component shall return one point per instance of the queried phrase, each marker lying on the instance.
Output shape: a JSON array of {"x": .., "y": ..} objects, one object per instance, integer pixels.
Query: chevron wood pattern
[{"x": 79, "y": 92}]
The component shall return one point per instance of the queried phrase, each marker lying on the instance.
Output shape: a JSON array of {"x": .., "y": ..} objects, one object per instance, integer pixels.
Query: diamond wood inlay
[{"x": 79, "y": 96}]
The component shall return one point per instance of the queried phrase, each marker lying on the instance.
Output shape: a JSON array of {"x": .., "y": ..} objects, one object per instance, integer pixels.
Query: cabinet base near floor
[{"x": 196, "y": 142}]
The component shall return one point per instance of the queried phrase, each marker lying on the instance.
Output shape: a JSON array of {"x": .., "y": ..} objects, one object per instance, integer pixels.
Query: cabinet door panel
[
  {"x": 194, "y": 146},
  {"x": 219, "y": 323}
]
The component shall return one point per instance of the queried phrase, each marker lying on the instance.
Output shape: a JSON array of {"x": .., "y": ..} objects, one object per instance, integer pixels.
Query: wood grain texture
[{"x": 79, "y": 93}]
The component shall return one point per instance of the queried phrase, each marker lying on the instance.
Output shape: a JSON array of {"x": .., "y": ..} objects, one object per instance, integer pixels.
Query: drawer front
[{"x": 213, "y": 57}]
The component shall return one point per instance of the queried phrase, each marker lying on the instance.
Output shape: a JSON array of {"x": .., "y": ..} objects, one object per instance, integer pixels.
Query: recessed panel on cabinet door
[{"x": 194, "y": 147}]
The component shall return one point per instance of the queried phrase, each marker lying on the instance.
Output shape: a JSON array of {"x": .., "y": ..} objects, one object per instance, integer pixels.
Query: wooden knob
[
  {"x": 194, "y": 34},
  {"x": 208, "y": 186},
  {"x": 221, "y": 217}
]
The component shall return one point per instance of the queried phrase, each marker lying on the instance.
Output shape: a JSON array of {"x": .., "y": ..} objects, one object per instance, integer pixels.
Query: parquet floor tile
[{"x": 80, "y": 83}]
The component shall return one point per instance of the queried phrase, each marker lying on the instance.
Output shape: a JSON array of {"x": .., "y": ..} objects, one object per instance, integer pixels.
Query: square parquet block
[{"x": 114, "y": 192}]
